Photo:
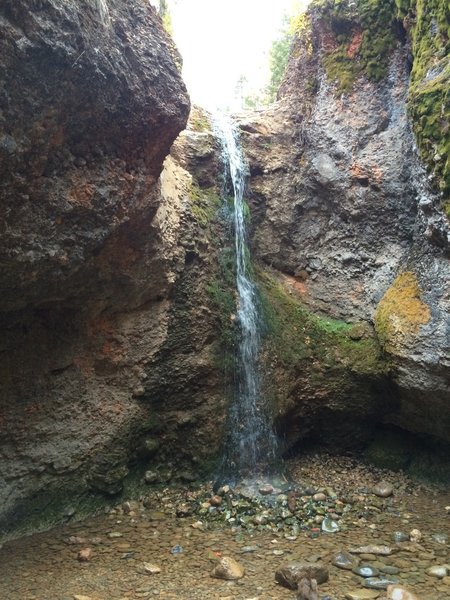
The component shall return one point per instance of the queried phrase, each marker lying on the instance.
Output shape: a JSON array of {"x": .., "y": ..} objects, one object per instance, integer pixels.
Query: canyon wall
[{"x": 349, "y": 221}]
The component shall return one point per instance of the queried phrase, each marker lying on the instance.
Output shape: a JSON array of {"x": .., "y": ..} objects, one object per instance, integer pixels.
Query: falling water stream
[{"x": 252, "y": 444}]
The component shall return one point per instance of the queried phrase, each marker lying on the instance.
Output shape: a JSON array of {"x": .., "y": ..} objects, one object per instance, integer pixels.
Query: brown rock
[
  {"x": 84, "y": 555},
  {"x": 228, "y": 568},
  {"x": 289, "y": 575}
]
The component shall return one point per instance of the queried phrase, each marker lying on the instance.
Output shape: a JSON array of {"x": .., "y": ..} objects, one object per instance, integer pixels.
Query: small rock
[
  {"x": 389, "y": 570},
  {"x": 228, "y": 569},
  {"x": 344, "y": 560},
  {"x": 266, "y": 489},
  {"x": 415, "y": 535},
  {"x": 80, "y": 597},
  {"x": 292, "y": 501},
  {"x": 319, "y": 497},
  {"x": 215, "y": 500},
  {"x": 383, "y": 489},
  {"x": 400, "y": 536},
  {"x": 379, "y": 583},
  {"x": 307, "y": 590},
  {"x": 329, "y": 526},
  {"x": 184, "y": 510},
  {"x": 84, "y": 555},
  {"x": 378, "y": 550},
  {"x": 362, "y": 595},
  {"x": 176, "y": 549},
  {"x": 130, "y": 506},
  {"x": 151, "y": 477},
  {"x": 397, "y": 592},
  {"x": 366, "y": 571},
  {"x": 151, "y": 569},
  {"x": 437, "y": 571},
  {"x": 289, "y": 575}
]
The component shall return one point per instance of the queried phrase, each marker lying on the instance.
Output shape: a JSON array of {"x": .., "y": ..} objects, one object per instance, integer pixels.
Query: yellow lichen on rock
[{"x": 400, "y": 312}]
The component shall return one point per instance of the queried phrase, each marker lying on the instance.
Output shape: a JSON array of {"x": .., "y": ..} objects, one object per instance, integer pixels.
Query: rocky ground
[{"x": 354, "y": 527}]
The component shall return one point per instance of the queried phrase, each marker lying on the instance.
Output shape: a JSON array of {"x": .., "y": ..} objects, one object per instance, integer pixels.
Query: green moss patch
[
  {"x": 297, "y": 336},
  {"x": 204, "y": 204},
  {"x": 363, "y": 38}
]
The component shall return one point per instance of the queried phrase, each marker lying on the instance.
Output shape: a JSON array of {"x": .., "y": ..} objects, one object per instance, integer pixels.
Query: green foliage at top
[
  {"x": 364, "y": 34},
  {"x": 278, "y": 59}
]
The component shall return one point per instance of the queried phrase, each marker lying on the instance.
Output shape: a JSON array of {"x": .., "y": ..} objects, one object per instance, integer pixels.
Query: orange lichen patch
[
  {"x": 359, "y": 173},
  {"x": 401, "y": 311},
  {"x": 295, "y": 284},
  {"x": 82, "y": 194},
  {"x": 355, "y": 44}
]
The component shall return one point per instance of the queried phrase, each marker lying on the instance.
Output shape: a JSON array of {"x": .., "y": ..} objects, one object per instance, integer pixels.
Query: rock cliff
[
  {"x": 347, "y": 217},
  {"x": 103, "y": 265}
]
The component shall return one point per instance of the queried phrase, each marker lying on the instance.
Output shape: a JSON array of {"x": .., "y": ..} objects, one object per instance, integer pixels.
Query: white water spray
[{"x": 252, "y": 444}]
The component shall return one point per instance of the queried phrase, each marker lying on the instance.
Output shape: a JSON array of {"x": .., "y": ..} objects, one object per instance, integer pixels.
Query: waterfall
[{"x": 251, "y": 443}]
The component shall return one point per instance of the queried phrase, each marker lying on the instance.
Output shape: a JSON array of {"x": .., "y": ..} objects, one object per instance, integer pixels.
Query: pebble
[
  {"x": 415, "y": 535},
  {"x": 289, "y": 574},
  {"x": 344, "y": 560},
  {"x": 80, "y": 597},
  {"x": 379, "y": 550},
  {"x": 329, "y": 526},
  {"x": 228, "y": 568},
  {"x": 151, "y": 569},
  {"x": 319, "y": 497},
  {"x": 379, "y": 583},
  {"x": 362, "y": 595},
  {"x": 366, "y": 571},
  {"x": 389, "y": 570},
  {"x": 400, "y": 536},
  {"x": 215, "y": 500},
  {"x": 437, "y": 571},
  {"x": 266, "y": 489},
  {"x": 115, "y": 534},
  {"x": 383, "y": 489},
  {"x": 84, "y": 555}
]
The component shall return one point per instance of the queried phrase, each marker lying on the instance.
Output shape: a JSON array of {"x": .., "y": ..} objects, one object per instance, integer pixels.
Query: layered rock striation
[{"x": 346, "y": 216}]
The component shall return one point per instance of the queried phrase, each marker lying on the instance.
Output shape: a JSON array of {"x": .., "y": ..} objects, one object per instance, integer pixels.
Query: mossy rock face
[
  {"x": 364, "y": 35},
  {"x": 361, "y": 38},
  {"x": 401, "y": 312},
  {"x": 319, "y": 371}
]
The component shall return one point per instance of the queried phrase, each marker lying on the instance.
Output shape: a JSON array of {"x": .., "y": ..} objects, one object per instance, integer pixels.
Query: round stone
[
  {"x": 266, "y": 489},
  {"x": 400, "y": 536},
  {"x": 319, "y": 497},
  {"x": 366, "y": 571},
  {"x": 384, "y": 489},
  {"x": 437, "y": 571}
]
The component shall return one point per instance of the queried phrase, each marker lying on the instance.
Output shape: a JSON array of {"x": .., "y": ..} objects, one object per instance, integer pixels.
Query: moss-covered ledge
[{"x": 326, "y": 377}]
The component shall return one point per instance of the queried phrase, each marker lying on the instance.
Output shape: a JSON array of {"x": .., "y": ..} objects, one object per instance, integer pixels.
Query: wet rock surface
[
  {"x": 141, "y": 562},
  {"x": 342, "y": 208}
]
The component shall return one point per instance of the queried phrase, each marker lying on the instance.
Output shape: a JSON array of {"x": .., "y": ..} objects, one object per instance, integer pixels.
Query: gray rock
[{"x": 289, "y": 575}]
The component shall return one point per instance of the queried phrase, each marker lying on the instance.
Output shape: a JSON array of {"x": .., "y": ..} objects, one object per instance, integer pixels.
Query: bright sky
[{"x": 222, "y": 40}]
